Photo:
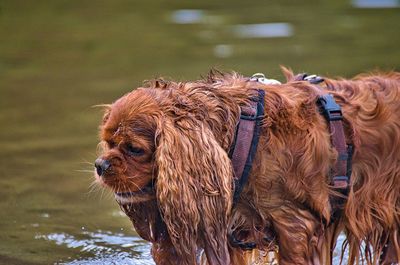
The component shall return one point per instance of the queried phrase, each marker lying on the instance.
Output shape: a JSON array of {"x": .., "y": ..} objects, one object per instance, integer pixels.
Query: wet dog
[{"x": 166, "y": 158}]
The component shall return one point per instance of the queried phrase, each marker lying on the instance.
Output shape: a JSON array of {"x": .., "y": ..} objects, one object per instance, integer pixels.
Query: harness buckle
[
  {"x": 340, "y": 182},
  {"x": 249, "y": 116},
  {"x": 329, "y": 108}
]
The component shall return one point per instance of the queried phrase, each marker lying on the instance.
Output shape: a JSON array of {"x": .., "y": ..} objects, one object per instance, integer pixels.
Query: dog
[{"x": 167, "y": 157}]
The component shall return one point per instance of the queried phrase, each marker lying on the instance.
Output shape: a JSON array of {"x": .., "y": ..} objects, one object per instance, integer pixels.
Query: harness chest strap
[
  {"x": 340, "y": 177},
  {"x": 245, "y": 143},
  {"x": 341, "y": 172}
]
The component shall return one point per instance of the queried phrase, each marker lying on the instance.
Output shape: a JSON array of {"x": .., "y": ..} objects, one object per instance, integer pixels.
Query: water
[
  {"x": 106, "y": 247},
  {"x": 376, "y": 3},
  {"x": 60, "y": 58},
  {"x": 265, "y": 30}
]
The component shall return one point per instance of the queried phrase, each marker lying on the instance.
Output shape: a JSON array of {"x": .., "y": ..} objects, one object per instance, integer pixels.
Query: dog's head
[
  {"x": 170, "y": 143},
  {"x": 127, "y": 135}
]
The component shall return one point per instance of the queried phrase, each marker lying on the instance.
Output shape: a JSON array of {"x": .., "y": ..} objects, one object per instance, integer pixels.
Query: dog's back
[{"x": 295, "y": 155}]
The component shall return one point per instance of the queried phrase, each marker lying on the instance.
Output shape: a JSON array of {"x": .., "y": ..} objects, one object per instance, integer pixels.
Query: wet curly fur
[{"x": 180, "y": 134}]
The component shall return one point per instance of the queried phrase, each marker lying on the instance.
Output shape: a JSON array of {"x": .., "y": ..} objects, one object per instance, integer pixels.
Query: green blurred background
[{"x": 59, "y": 58}]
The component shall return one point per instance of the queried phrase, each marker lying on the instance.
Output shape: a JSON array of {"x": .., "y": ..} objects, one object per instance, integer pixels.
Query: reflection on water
[
  {"x": 265, "y": 30},
  {"x": 195, "y": 16},
  {"x": 187, "y": 16},
  {"x": 106, "y": 247},
  {"x": 338, "y": 250},
  {"x": 376, "y": 3}
]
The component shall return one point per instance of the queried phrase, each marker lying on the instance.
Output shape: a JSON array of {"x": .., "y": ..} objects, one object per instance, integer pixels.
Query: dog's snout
[{"x": 102, "y": 165}]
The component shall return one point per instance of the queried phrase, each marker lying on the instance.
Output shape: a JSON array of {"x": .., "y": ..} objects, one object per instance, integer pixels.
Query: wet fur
[{"x": 186, "y": 130}]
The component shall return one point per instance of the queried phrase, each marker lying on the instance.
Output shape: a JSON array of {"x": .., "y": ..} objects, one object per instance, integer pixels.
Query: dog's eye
[
  {"x": 111, "y": 144},
  {"x": 134, "y": 151}
]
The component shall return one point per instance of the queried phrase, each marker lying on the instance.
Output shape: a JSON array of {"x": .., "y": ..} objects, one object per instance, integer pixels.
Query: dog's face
[
  {"x": 127, "y": 135},
  {"x": 163, "y": 143}
]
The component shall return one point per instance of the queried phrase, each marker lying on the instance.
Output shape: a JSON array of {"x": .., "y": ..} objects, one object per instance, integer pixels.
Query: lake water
[{"x": 60, "y": 58}]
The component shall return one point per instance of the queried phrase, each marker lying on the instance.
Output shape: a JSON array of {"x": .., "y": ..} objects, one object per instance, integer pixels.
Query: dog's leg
[
  {"x": 323, "y": 252},
  {"x": 148, "y": 223},
  {"x": 391, "y": 253},
  {"x": 164, "y": 253},
  {"x": 216, "y": 256},
  {"x": 298, "y": 236},
  {"x": 255, "y": 256}
]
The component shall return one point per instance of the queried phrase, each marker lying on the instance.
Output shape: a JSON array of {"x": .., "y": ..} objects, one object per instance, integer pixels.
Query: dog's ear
[{"x": 194, "y": 188}]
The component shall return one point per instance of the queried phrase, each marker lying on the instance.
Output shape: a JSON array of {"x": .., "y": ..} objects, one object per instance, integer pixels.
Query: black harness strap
[
  {"x": 333, "y": 114},
  {"x": 245, "y": 144},
  {"x": 341, "y": 172},
  {"x": 340, "y": 176}
]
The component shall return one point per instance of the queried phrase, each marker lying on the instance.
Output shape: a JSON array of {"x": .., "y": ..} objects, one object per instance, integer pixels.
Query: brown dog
[{"x": 166, "y": 157}]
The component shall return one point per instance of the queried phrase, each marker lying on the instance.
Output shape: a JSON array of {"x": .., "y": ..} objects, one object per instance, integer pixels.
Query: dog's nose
[{"x": 101, "y": 166}]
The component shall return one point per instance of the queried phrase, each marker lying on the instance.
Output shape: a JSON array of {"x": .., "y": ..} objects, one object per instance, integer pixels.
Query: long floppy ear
[{"x": 194, "y": 189}]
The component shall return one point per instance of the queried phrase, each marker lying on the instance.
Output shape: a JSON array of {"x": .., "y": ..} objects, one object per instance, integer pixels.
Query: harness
[
  {"x": 341, "y": 172},
  {"x": 244, "y": 147},
  {"x": 247, "y": 134}
]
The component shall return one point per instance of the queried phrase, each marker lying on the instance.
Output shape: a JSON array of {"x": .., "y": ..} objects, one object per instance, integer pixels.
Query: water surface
[{"x": 60, "y": 58}]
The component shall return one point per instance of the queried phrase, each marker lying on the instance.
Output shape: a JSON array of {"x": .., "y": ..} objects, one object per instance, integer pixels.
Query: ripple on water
[
  {"x": 117, "y": 248},
  {"x": 106, "y": 247},
  {"x": 338, "y": 250}
]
